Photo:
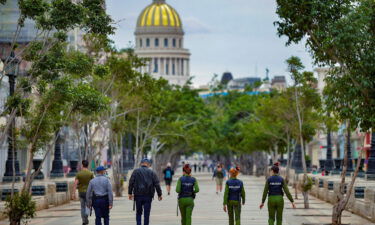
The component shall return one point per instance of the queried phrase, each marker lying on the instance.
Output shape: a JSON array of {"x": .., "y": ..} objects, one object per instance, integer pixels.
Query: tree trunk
[
  {"x": 306, "y": 199},
  {"x": 342, "y": 199},
  {"x": 289, "y": 160},
  {"x": 117, "y": 174},
  {"x": 246, "y": 163}
]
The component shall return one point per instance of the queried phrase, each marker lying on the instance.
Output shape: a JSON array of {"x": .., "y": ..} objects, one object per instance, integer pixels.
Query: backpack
[
  {"x": 168, "y": 174},
  {"x": 219, "y": 174}
]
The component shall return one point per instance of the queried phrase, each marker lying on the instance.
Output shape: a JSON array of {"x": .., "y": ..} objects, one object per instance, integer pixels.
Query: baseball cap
[
  {"x": 145, "y": 160},
  {"x": 100, "y": 168}
]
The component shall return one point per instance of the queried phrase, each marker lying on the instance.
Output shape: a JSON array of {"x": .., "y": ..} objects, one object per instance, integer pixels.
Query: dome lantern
[{"x": 159, "y": 1}]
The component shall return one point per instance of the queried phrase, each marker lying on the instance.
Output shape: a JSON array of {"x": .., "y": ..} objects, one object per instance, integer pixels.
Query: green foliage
[
  {"x": 96, "y": 21},
  {"x": 101, "y": 71},
  {"x": 79, "y": 64},
  {"x": 87, "y": 100},
  {"x": 340, "y": 35},
  {"x": 308, "y": 183},
  {"x": 20, "y": 207},
  {"x": 65, "y": 14},
  {"x": 17, "y": 102},
  {"x": 33, "y": 9}
]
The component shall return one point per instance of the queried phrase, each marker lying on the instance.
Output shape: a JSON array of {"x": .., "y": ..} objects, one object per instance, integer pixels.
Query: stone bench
[
  {"x": 46, "y": 194},
  {"x": 326, "y": 188}
]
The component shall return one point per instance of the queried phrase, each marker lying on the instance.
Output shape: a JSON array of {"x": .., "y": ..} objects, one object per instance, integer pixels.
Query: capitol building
[{"x": 159, "y": 36}]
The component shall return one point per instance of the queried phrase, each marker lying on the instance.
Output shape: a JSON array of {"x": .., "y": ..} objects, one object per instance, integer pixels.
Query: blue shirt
[{"x": 100, "y": 186}]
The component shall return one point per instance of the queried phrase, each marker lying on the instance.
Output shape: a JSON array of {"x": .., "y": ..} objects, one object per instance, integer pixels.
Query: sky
[{"x": 222, "y": 35}]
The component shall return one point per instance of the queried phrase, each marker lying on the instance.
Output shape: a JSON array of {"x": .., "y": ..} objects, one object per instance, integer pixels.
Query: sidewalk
[{"x": 208, "y": 209}]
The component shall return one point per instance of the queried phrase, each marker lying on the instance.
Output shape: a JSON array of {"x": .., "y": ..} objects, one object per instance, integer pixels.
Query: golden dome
[{"x": 159, "y": 14}]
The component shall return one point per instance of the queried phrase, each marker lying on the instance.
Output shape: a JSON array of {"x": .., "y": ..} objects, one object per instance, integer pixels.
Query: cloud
[{"x": 193, "y": 25}]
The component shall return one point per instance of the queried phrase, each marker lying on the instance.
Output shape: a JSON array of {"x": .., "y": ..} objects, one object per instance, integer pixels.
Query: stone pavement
[{"x": 208, "y": 209}]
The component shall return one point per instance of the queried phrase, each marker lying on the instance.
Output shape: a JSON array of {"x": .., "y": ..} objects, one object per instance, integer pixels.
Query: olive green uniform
[
  {"x": 234, "y": 207},
  {"x": 186, "y": 204},
  {"x": 276, "y": 204}
]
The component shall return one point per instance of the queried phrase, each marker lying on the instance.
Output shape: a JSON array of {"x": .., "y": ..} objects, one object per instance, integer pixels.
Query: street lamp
[
  {"x": 329, "y": 164},
  {"x": 11, "y": 70},
  {"x": 297, "y": 159},
  {"x": 350, "y": 168},
  {"x": 57, "y": 163}
]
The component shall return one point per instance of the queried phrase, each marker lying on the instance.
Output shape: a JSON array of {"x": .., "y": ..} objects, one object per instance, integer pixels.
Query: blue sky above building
[{"x": 222, "y": 35}]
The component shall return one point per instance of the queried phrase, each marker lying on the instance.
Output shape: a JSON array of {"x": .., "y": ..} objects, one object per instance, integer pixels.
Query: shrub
[{"x": 20, "y": 208}]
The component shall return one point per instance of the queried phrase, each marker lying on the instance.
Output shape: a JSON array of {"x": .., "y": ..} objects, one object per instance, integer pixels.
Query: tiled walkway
[{"x": 207, "y": 211}]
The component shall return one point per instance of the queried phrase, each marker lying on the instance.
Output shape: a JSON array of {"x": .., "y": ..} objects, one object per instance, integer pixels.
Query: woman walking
[
  {"x": 234, "y": 195},
  {"x": 275, "y": 188},
  {"x": 219, "y": 175},
  {"x": 187, "y": 187}
]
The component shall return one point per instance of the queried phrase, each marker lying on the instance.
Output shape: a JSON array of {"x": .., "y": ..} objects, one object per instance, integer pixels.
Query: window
[
  {"x": 140, "y": 43},
  {"x": 167, "y": 67},
  {"x": 173, "y": 69},
  {"x": 180, "y": 43},
  {"x": 182, "y": 67},
  {"x": 148, "y": 42},
  {"x": 174, "y": 42},
  {"x": 166, "y": 42},
  {"x": 156, "y": 65},
  {"x": 156, "y": 42}
]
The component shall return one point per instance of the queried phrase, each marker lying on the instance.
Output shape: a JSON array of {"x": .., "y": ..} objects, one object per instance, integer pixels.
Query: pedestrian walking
[
  {"x": 195, "y": 167},
  {"x": 219, "y": 175},
  {"x": 275, "y": 188},
  {"x": 200, "y": 167},
  {"x": 168, "y": 176},
  {"x": 204, "y": 165},
  {"x": 142, "y": 186},
  {"x": 187, "y": 187},
  {"x": 234, "y": 195},
  {"x": 82, "y": 180},
  {"x": 99, "y": 196}
]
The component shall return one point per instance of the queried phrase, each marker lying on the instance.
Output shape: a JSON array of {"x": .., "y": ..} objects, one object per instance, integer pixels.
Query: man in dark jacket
[{"x": 142, "y": 186}]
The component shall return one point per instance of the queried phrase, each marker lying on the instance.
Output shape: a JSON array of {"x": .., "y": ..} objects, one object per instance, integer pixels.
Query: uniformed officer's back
[{"x": 100, "y": 196}]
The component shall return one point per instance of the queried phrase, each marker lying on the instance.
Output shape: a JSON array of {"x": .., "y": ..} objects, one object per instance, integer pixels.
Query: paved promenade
[{"x": 208, "y": 209}]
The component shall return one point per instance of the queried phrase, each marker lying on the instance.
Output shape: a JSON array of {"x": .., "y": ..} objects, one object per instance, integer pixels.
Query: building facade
[{"x": 159, "y": 37}]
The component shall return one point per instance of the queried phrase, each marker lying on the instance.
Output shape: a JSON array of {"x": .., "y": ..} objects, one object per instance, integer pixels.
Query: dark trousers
[
  {"x": 143, "y": 204},
  {"x": 101, "y": 207}
]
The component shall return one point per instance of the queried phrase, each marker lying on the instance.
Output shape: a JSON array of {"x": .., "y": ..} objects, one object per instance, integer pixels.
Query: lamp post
[
  {"x": 11, "y": 70},
  {"x": 57, "y": 163},
  {"x": 329, "y": 164},
  {"x": 350, "y": 168},
  {"x": 370, "y": 173},
  {"x": 297, "y": 159}
]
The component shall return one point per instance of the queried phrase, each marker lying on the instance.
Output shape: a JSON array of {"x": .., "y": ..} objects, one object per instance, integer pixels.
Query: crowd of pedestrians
[{"x": 96, "y": 192}]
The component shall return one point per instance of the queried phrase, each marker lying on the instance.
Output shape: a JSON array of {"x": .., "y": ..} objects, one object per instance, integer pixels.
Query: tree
[
  {"x": 56, "y": 85},
  {"x": 307, "y": 105},
  {"x": 339, "y": 35}
]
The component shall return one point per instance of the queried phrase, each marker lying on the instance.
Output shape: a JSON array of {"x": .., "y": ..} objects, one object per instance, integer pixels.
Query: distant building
[
  {"x": 278, "y": 83},
  {"x": 160, "y": 37},
  {"x": 226, "y": 78},
  {"x": 242, "y": 83},
  {"x": 321, "y": 74}
]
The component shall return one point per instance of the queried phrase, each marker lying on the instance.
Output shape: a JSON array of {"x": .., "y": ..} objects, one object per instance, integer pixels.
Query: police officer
[
  {"x": 234, "y": 194},
  {"x": 99, "y": 196},
  {"x": 187, "y": 187},
  {"x": 275, "y": 188}
]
